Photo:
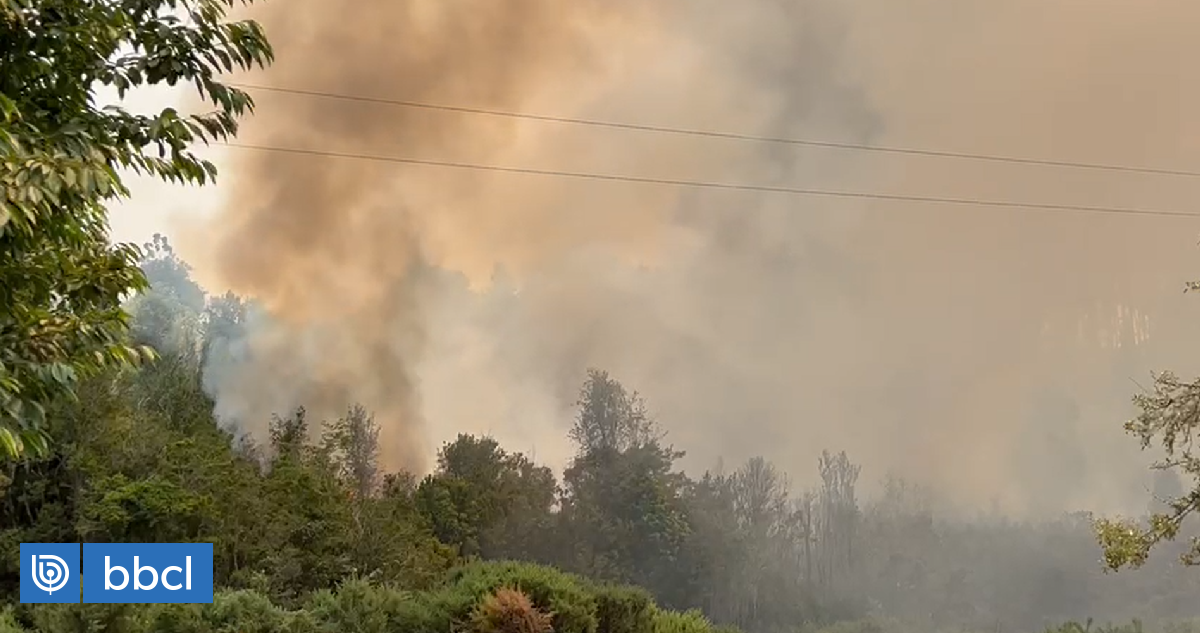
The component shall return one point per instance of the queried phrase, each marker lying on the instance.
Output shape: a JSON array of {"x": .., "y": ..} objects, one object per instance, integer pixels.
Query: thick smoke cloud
[{"x": 988, "y": 352}]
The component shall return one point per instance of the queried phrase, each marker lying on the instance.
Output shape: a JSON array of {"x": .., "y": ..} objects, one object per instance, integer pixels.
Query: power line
[
  {"x": 912, "y": 151},
  {"x": 722, "y": 185}
]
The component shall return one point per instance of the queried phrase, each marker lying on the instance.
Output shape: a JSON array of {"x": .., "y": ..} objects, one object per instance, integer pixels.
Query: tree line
[{"x": 138, "y": 457}]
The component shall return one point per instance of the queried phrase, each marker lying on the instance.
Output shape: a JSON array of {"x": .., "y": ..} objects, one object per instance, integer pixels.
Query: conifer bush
[{"x": 509, "y": 610}]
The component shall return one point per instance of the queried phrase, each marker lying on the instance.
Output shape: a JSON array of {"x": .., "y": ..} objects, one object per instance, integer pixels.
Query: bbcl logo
[
  {"x": 138, "y": 570},
  {"x": 148, "y": 572},
  {"x": 117, "y": 572},
  {"x": 49, "y": 573}
]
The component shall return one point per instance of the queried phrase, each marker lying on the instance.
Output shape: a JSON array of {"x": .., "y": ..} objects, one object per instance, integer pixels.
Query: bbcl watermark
[
  {"x": 147, "y": 572},
  {"x": 137, "y": 576},
  {"x": 49, "y": 573},
  {"x": 117, "y": 572}
]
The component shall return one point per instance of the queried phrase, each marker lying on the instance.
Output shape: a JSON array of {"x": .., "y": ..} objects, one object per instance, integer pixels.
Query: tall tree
[
  {"x": 622, "y": 500},
  {"x": 170, "y": 312},
  {"x": 61, "y": 277},
  {"x": 353, "y": 442},
  {"x": 609, "y": 417}
]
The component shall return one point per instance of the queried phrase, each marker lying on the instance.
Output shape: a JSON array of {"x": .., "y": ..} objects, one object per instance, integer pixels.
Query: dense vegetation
[
  {"x": 485, "y": 598},
  {"x": 138, "y": 457},
  {"x": 61, "y": 278}
]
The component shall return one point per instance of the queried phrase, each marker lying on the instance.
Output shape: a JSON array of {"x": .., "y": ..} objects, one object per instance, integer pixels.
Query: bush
[
  {"x": 567, "y": 597},
  {"x": 231, "y": 612},
  {"x": 8, "y": 621},
  {"x": 687, "y": 622},
  {"x": 83, "y": 618},
  {"x": 360, "y": 607},
  {"x": 623, "y": 609},
  {"x": 476, "y": 598},
  {"x": 508, "y": 610}
]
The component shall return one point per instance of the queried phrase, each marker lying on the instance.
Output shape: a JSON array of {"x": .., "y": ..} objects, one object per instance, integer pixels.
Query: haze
[{"x": 989, "y": 353}]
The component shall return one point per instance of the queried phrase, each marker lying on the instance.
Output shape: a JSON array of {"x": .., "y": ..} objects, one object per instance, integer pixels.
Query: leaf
[{"x": 61, "y": 276}]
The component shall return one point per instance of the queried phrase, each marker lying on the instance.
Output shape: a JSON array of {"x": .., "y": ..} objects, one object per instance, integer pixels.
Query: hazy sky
[{"x": 988, "y": 351}]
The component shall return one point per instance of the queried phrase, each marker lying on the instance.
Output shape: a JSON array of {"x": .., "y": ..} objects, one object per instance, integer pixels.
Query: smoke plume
[{"x": 988, "y": 352}]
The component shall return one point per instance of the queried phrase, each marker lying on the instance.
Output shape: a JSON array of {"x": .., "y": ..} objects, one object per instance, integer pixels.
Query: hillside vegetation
[{"x": 309, "y": 525}]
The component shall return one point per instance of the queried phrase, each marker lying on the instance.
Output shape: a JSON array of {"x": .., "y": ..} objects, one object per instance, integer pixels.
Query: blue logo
[
  {"x": 147, "y": 572},
  {"x": 49, "y": 573}
]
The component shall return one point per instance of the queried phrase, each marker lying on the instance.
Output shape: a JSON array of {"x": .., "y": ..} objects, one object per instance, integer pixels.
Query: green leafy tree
[
  {"x": 486, "y": 501},
  {"x": 170, "y": 312},
  {"x": 61, "y": 278},
  {"x": 622, "y": 504},
  {"x": 1168, "y": 418}
]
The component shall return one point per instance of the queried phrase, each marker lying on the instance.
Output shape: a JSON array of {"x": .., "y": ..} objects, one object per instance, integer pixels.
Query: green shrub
[
  {"x": 176, "y": 618},
  {"x": 566, "y": 596},
  {"x": 493, "y": 597},
  {"x": 360, "y": 607},
  {"x": 85, "y": 618},
  {"x": 675, "y": 622},
  {"x": 251, "y": 612},
  {"x": 429, "y": 612},
  {"x": 623, "y": 609},
  {"x": 8, "y": 621}
]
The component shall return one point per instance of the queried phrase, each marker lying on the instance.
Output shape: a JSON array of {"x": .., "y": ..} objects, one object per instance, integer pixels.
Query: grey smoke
[{"x": 987, "y": 353}]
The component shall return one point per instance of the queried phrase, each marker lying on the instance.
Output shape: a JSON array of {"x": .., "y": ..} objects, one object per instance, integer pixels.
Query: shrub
[
  {"x": 675, "y": 622},
  {"x": 360, "y": 607},
  {"x": 477, "y": 598},
  {"x": 623, "y": 609},
  {"x": 508, "y": 610},
  {"x": 566, "y": 596},
  {"x": 84, "y": 618},
  {"x": 8, "y": 621}
]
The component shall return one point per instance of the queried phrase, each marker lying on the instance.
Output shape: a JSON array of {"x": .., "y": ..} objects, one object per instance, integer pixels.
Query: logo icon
[
  {"x": 49, "y": 572},
  {"x": 148, "y": 572}
]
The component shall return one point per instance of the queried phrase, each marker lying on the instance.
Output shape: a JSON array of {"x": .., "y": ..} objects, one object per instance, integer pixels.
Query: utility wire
[
  {"x": 723, "y": 185},
  {"x": 729, "y": 135}
]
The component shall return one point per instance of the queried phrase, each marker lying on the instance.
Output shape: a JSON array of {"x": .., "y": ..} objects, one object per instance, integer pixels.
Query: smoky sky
[{"x": 989, "y": 353}]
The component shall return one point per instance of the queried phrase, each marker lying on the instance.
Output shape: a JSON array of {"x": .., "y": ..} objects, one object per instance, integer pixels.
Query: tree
[
  {"x": 168, "y": 313},
  {"x": 353, "y": 442},
  {"x": 610, "y": 418},
  {"x": 61, "y": 278},
  {"x": 622, "y": 503},
  {"x": 1169, "y": 416},
  {"x": 486, "y": 501}
]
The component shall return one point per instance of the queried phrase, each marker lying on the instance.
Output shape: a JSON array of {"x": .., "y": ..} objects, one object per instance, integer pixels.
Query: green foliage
[
  {"x": 687, "y": 622},
  {"x": 61, "y": 279},
  {"x": 480, "y": 598},
  {"x": 8, "y": 621},
  {"x": 624, "y": 609},
  {"x": 622, "y": 505},
  {"x": 122, "y": 470},
  {"x": 486, "y": 501},
  {"x": 1169, "y": 419},
  {"x": 568, "y": 597},
  {"x": 121, "y": 510},
  {"x": 311, "y": 534}
]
